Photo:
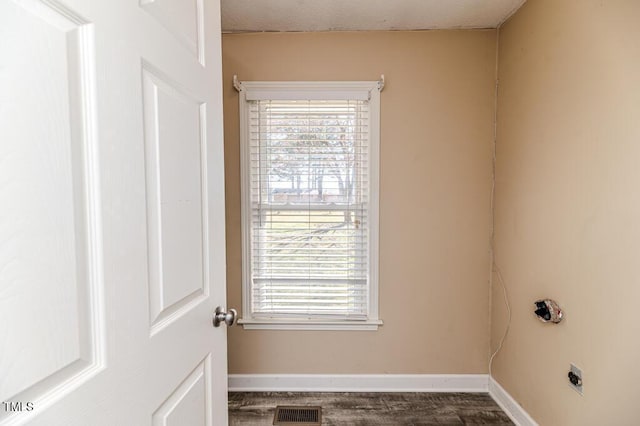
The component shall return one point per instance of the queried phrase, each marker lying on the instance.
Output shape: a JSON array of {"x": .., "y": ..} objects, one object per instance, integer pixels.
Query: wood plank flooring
[{"x": 372, "y": 409}]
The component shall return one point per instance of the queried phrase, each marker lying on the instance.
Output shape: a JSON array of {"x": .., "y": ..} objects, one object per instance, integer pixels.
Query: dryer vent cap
[{"x": 548, "y": 310}]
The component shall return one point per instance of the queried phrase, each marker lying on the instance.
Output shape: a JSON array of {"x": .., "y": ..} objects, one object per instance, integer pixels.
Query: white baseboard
[
  {"x": 358, "y": 383},
  {"x": 510, "y": 406}
]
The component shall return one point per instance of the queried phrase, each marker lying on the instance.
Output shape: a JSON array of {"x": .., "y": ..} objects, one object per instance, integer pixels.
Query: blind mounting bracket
[{"x": 237, "y": 84}]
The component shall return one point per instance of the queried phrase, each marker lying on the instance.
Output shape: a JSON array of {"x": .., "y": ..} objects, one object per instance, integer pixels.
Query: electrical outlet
[{"x": 575, "y": 378}]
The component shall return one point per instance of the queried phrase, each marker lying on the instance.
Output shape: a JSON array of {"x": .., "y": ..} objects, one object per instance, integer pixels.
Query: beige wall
[
  {"x": 568, "y": 208},
  {"x": 436, "y": 149}
]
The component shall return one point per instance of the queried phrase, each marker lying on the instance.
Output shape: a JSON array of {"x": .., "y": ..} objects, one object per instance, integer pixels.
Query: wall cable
[
  {"x": 493, "y": 265},
  {"x": 506, "y": 330}
]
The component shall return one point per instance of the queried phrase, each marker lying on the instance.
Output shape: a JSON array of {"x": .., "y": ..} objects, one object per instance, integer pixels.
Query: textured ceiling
[{"x": 354, "y": 15}]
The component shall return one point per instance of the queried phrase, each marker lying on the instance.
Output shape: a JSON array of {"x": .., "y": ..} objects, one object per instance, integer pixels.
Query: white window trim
[{"x": 312, "y": 90}]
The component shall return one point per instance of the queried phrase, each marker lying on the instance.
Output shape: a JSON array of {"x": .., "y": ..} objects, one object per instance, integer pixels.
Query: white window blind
[{"x": 308, "y": 167}]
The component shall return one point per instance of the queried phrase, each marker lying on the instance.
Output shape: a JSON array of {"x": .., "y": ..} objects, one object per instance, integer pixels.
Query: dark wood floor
[{"x": 372, "y": 409}]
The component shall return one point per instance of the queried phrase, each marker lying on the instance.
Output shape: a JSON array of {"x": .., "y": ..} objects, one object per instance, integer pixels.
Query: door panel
[
  {"x": 175, "y": 146},
  {"x": 183, "y": 19},
  {"x": 50, "y": 293},
  {"x": 112, "y": 245},
  {"x": 190, "y": 403}
]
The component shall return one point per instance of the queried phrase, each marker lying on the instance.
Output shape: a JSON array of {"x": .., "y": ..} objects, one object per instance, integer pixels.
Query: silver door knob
[{"x": 228, "y": 317}]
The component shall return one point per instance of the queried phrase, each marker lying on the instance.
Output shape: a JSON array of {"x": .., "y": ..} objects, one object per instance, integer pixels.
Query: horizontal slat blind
[{"x": 309, "y": 198}]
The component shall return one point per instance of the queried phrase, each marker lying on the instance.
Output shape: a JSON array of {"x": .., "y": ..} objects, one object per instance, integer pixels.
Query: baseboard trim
[
  {"x": 358, "y": 382},
  {"x": 510, "y": 406}
]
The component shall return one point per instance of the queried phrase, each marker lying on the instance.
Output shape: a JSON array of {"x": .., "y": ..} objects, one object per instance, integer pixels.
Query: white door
[{"x": 111, "y": 213}]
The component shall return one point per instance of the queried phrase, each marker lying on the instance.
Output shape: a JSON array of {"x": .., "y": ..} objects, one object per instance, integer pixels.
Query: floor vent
[{"x": 294, "y": 416}]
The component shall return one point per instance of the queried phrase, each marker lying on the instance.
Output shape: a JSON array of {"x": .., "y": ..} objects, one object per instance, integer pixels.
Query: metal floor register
[{"x": 293, "y": 416}]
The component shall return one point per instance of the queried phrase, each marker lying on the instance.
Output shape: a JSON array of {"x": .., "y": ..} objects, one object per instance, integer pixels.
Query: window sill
[{"x": 306, "y": 324}]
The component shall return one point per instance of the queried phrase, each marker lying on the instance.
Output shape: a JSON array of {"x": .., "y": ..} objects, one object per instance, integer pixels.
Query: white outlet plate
[{"x": 578, "y": 372}]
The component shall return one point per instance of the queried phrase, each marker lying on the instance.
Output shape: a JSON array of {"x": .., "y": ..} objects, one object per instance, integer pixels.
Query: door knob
[{"x": 228, "y": 317}]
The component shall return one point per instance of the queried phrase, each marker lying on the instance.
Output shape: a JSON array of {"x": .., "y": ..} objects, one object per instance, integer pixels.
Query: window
[{"x": 310, "y": 204}]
